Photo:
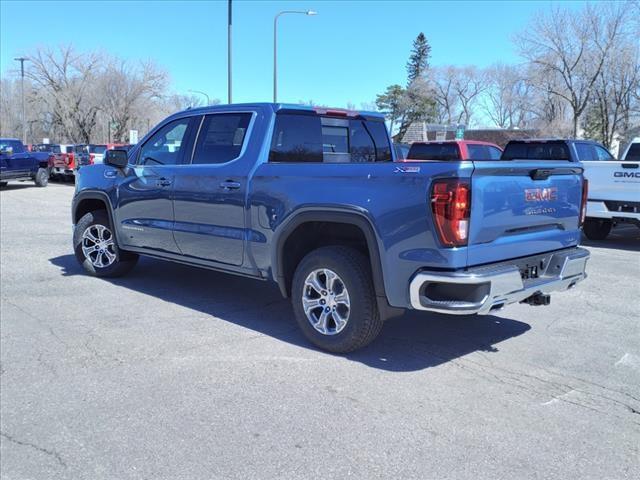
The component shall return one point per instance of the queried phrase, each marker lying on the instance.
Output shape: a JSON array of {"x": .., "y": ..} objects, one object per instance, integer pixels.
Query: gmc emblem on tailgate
[{"x": 540, "y": 194}]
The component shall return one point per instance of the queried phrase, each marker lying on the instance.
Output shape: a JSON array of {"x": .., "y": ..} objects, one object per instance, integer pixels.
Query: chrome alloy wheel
[
  {"x": 325, "y": 301},
  {"x": 98, "y": 246}
]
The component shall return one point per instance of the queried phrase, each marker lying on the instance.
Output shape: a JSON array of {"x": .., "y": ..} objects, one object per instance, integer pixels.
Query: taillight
[
  {"x": 585, "y": 196},
  {"x": 92, "y": 158},
  {"x": 451, "y": 207}
]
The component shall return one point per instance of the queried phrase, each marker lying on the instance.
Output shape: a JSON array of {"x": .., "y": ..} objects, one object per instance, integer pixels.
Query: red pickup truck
[
  {"x": 453, "y": 150},
  {"x": 61, "y": 161}
]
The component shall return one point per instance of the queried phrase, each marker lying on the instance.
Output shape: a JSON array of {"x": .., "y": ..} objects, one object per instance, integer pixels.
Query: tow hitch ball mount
[{"x": 537, "y": 299}]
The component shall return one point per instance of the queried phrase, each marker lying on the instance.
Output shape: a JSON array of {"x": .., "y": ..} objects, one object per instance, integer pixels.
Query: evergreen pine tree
[{"x": 419, "y": 59}]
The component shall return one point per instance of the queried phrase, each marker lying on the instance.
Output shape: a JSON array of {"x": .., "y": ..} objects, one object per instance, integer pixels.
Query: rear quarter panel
[{"x": 393, "y": 200}]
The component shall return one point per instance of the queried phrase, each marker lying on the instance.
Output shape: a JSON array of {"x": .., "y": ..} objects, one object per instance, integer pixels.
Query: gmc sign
[{"x": 626, "y": 174}]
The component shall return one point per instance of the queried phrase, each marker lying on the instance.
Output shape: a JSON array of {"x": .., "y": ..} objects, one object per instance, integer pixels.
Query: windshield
[
  {"x": 97, "y": 148},
  {"x": 536, "y": 151},
  {"x": 434, "y": 151},
  {"x": 633, "y": 155}
]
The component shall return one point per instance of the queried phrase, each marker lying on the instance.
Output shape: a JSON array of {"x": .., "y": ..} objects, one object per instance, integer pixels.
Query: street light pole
[
  {"x": 229, "y": 55},
  {"x": 24, "y": 121},
  {"x": 202, "y": 93},
  {"x": 275, "y": 46}
]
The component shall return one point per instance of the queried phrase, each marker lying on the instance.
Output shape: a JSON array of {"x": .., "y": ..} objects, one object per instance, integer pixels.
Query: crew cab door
[
  {"x": 523, "y": 207},
  {"x": 145, "y": 206},
  {"x": 210, "y": 189}
]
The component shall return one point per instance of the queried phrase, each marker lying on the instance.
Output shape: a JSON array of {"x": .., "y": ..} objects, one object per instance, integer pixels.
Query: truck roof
[
  {"x": 553, "y": 140},
  {"x": 459, "y": 142},
  {"x": 277, "y": 107}
]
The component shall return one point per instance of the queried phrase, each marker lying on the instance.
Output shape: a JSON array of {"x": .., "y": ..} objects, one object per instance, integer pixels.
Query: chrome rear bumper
[{"x": 483, "y": 289}]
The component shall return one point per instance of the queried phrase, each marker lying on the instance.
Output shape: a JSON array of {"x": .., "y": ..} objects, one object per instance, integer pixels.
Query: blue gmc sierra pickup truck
[
  {"x": 311, "y": 198},
  {"x": 18, "y": 163}
]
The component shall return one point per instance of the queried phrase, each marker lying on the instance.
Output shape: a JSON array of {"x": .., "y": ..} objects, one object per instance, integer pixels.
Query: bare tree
[
  {"x": 456, "y": 90},
  {"x": 469, "y": 83},
  {"x": 571, "y": 49},
  {"x": 616, "y": 94},
  {"x": 507, "y": 98},
  {"x": 64, "y": 80},
  {"x": 123, "y": 90},
  {"x": 442, "y": 85}
]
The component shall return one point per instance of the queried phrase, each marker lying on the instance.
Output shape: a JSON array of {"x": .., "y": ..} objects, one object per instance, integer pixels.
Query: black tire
[
  {"x": 354, "y": 271},
  {"x": 3, "y": 184},
  {"x": 42, "y": 177},
  {"x": 124, "y": 261},
  {"x": 597, "y": 228}
]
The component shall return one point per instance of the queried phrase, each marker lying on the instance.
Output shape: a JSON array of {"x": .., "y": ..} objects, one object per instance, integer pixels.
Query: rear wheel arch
[{"x": 354, "y": 228}]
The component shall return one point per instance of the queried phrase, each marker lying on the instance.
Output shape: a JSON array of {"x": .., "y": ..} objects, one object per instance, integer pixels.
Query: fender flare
[
  {"x": 335, "y": 215},
  {"x": 94, "y": 195}
]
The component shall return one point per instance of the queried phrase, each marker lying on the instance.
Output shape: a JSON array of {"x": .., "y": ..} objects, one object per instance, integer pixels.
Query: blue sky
[{"x": 349, "y": 52}]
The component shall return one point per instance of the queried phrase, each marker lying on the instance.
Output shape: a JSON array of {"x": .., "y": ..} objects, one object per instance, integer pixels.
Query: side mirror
[{"x": 116, "y": 158}]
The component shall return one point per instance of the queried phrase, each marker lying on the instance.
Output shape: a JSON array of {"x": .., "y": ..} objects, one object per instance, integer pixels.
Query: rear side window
[
  {"x": 633, "y": 154},
  {"x": 434, "y": 151},
  {"x": 296, "y": 138},
  {"x": 221, "y": 138},
  {"x": 536, "y": 151},
  {"x": 312, "y": 138},
  {"x": 483, "y": 152}
]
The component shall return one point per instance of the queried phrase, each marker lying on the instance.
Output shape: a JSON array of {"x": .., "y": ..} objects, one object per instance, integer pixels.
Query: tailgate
[
  {"x": 522, "y": 208},
  {"x": 613, "y": 180}
]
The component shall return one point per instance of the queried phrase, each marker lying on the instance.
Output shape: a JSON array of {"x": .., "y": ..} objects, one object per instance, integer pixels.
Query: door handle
[
  {"x": 230, "y": 185},
  {"x": 163, "y": 182}
]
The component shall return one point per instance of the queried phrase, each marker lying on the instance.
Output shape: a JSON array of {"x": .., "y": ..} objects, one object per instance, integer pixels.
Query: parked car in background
[
  {"x": 452, "y": 150},
  {"x": 614, "y": 190},
  {"x": 89, "y": 154},
  {"x": 614, "y": 185},
  {"x": 64, "y": 163},
  {"x": 312, "y": 200},
  {"x": 17, "y": 163},
  {"x": 45, "y": 147},
  {"x": 61, "y": 159},
  {"x": 401, "y": 150}
]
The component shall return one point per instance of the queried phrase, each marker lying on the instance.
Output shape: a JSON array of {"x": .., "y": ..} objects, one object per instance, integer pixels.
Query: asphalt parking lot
[{"x": 178, "y": 373}]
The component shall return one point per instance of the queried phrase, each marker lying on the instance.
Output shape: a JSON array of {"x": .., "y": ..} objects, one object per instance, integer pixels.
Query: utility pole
[
  {"x": 229, "y": 97},
  {"x": 24, "y": 121}
]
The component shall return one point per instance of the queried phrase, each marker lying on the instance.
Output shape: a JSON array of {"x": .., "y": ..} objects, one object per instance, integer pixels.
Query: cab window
[
  {"x": 304, "y": 138},
  {"x": 603, "y": 154},
  {"x": 165, "y": 147},
  {"x": 221, "y": 138}
]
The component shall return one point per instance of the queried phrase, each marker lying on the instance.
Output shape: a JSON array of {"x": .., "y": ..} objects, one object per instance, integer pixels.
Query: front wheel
[
  {"x": 42, "y": 177},
  {"x": 334, "y": 300},
  {"x": 3, "y": 184},
  {"x": 597, "y": 228},
  {"x": 96, "y": 249}
]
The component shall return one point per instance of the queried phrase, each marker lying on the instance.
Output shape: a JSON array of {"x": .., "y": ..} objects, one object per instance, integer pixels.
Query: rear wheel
[
  {"x": 3, "y": 184},
  {"x": 334, "y": 300},
  {"x": 597, "y": 228},
  {"x": 96, "y": 248},
  {"x": 42, "y": 177}
]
